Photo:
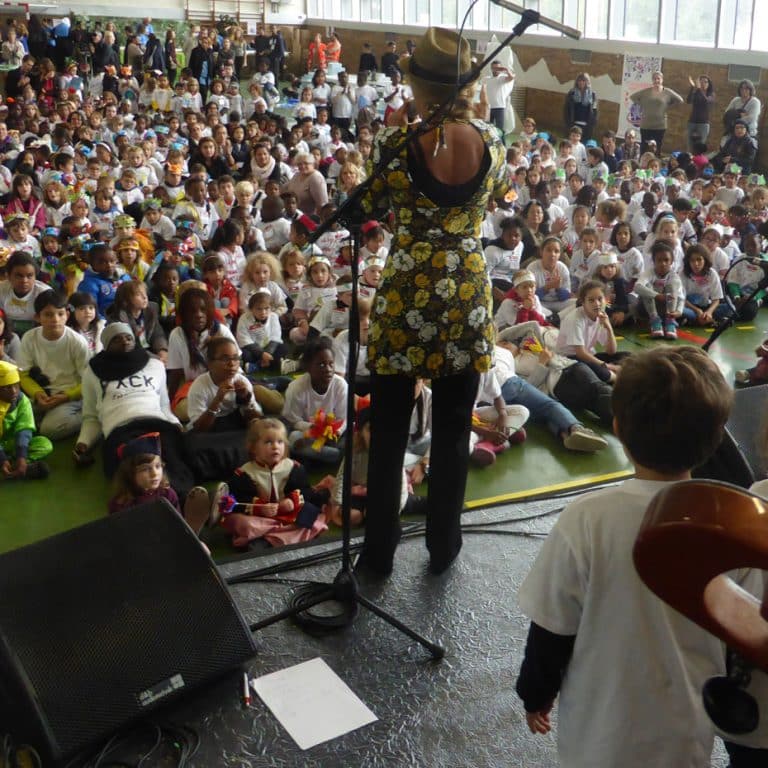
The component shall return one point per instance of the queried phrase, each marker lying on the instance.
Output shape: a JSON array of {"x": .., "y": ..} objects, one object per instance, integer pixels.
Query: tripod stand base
[{"x": 345, "y": 590}]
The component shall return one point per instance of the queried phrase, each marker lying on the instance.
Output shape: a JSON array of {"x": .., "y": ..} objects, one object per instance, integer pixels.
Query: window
[
  {"x": 680, "y": 25},
  {"x": 736, "y": 23},
  {"x": 635, "y": 20},
  {"x": 417, "y": 12},
  {"x": 596, "y": 19},
  {"x": 759, "y": 26}
]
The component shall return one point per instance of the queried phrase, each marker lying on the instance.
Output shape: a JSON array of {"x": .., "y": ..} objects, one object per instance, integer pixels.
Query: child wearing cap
[
  {"x": 521, "y": 304},
  {"x": 607, "y": 272},
  {"x": 370, "y": 278},
  {"x": 332, "y": 317},
  {"x": 318, "y": 289},
  {"x": 21, "y": 450},
  {"x": 141, "y": 478}
]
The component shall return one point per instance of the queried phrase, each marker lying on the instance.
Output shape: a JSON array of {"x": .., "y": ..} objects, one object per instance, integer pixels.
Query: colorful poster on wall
[{"x": 638, "y": 71}]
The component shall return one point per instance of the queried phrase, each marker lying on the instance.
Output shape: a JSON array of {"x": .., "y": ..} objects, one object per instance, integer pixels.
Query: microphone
[{"x": 551, "y": 23}]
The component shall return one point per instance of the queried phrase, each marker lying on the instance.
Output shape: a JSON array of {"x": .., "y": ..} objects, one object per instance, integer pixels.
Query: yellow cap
[{"x": 9, "y": 374}]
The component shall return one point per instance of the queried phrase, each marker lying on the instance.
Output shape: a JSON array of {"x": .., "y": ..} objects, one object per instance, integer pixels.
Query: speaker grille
[{"x": 98, "y": 621}]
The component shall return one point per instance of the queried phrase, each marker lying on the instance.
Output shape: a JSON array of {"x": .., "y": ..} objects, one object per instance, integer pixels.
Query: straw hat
[{"x": 434, "y": 60}]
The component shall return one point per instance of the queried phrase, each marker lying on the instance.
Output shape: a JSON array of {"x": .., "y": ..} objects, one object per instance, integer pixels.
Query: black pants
[
  {"x": 216, "y": 454},
  {"x": 252, "y": 354},
  {"x": 392, "y": 399},
  {"x": 746, "y": 757},
  {"x": 239, "y": 66},
  {"x": 646, "y": 135},
  {"x": 497, "y": 119},
  {"x": 171, "y": 441},
  {"x": 171, "y": 75},
  {"x": 579, "y": 387}
]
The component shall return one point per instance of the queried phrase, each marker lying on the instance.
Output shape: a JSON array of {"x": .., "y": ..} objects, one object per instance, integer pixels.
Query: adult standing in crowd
[
  {"x": 104, "y": 54},
  {"x": 581, "y": 107},
  {"x": 746, "y": 106},
  {"x": 498, "y": 88},
  {"x": 390, "y": 59},
  {"x": 277, "y": 52},
  {"x": 308, "y": 184},
  {"x": 701, "y": 97},
  {"x": 202, "y": 64},
  {"x": 333, "y": 48},
  {"x": 433, "y": 318},
  {"x": 239, "y": 47},
  {"x": 316, "y": 58},
  {"x": 133, "y": 55},
  {"x": 154, "y": 56},
  {"x": 171, "y": 62},
  {"x": 655, "y": 102},
  {"x": 19, "y": 77}
]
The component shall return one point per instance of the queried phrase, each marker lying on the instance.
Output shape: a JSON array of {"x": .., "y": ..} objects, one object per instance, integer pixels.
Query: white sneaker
[
  {"x": 582, "y": 439},
  {"x": 742, "y": 377},
  {"x": 288, "y": 366}
]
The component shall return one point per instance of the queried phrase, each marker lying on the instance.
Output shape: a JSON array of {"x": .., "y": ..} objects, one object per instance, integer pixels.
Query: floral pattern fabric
[{"x": 433, "y": 309}]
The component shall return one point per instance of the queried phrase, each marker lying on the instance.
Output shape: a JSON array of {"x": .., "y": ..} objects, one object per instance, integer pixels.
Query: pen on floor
[{"x": 246, "y": 691}]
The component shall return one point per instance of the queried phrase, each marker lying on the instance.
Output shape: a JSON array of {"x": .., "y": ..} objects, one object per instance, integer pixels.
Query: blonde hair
[
  {"x": 262, "y": 257},
  {"x": 258, "y": 427},
  {"x": 287, "y": 255},
  {"x": 245, "y": 188}
]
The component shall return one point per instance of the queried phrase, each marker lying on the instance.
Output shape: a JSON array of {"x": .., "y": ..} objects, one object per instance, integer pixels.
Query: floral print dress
[{"x": 432, "y": 315}]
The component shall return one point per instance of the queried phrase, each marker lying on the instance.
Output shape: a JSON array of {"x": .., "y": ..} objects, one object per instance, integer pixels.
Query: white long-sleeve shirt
[{"x": 108, "y": 405}]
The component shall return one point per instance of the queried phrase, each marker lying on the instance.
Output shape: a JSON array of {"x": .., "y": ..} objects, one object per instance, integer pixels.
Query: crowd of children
[{"x": 173, "y": 217}]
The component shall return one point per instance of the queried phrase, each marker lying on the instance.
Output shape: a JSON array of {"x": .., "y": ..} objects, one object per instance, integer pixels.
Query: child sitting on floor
[
  {"x": 272, "y": 496},
  {"x": 21, "y": 450},
  {"x": 670, "y": 407},
  {"x": 141, "y": 478}
]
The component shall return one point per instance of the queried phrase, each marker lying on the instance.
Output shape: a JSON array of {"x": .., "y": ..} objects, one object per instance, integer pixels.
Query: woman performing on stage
[{"x": 433, "y": 316}]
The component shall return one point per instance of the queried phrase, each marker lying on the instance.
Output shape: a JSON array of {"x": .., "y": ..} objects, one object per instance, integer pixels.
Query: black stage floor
[{"x": 461, "y": 711}]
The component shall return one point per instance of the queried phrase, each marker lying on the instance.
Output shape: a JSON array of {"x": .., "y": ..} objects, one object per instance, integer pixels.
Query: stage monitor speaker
[
  {"x": 104, "y": 623},
  {"x": 740, "y": 458}
]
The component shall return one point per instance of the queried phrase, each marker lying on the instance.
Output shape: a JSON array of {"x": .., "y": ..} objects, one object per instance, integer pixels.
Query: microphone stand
[{"x": 344, "y": 588}]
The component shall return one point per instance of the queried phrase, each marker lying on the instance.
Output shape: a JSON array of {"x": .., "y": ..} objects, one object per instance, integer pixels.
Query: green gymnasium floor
[{"x": 71, "y": 496}]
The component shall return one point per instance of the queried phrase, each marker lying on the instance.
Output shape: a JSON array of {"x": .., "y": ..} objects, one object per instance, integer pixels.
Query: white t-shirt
[
  {"x": 203, "y": 391},
  {"x": 178, "y": 351},
  {"x": 20, "y": 308},
  {"x": 62, "y": 360},
  {"x": 706, "y": 286},
  {"x": 302, "y": 402},
  {"x": 498, "y": 90},
  {"x": 501, "y": 262},
  {"x": 577, "y": 330},
  {"x": 250, "y": 332},
  {"x": 631, "y": 695}
]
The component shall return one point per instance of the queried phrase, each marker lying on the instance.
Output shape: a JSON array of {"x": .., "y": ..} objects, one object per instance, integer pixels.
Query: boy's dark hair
[
  {"x": 596, "y": 152},
  {"x": 19, "y": 259},
  {"x": 661, "y": 246},
  {"x": 670, "y": 405},
  {"x": 314, "y": 347},
  {"x": 215, "y": 344},
  {"x": 682, "y": 204},
  {"x": 50, "y": 298},
  {"x": 98, "y": 250},
  {"x": 737, "y": 210},
  {"x": 260, "y": 297}
]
